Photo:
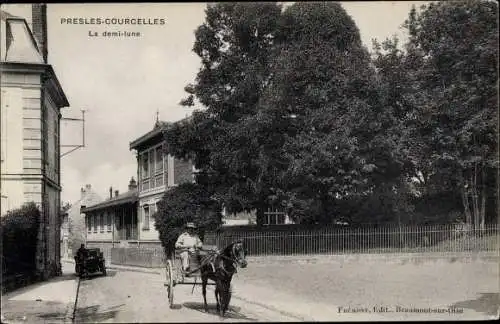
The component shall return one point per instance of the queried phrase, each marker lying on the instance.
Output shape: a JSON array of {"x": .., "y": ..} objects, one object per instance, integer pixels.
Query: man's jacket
[{"x": 186, "y": 240}]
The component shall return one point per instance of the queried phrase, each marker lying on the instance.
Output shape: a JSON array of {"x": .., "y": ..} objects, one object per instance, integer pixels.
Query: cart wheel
[{"x": 169, "y": 282}]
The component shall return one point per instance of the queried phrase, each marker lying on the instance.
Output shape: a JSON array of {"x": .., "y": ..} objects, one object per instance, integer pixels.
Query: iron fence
[
  {"x": 296, "y": 240},
  {"x": 391, "y": 239}
]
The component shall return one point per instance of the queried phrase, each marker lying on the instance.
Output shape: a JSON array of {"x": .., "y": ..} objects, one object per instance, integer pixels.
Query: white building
[
  {"x": 73, "y": 231},
  {"x": 31, "y": 100}
]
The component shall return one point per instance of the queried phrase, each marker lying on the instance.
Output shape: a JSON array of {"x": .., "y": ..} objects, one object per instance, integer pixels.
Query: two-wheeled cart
[{"x": 175, "y": 275}]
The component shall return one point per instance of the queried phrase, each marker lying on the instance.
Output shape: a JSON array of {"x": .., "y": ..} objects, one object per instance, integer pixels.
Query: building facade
[
  {"x": 31, "y": 103},
  {"x": 126, "y": 220},
  {"x": 73, "y": 230},
  {"x": 157, "y": 172},
  {"x": 113, "y": 222}
]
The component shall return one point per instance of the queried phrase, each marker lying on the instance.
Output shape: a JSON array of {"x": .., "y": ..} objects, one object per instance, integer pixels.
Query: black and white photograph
[{"x": 249, "y": 162}]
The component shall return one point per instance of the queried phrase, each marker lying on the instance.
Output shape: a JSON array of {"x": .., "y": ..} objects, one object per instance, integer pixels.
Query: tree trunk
[
  {"x": 465, "y": 201},
  {"x": 475, "y": 204},
  {"x": 260, "y": 215},
  {"x": 483, "y": 199}
]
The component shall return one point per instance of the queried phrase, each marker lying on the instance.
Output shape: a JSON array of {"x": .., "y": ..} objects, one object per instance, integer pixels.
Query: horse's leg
[
  {"x": 228, "y": 296},
  {"x": 217, "y": 294},
  {"x": 222, "y": 298},
  {"x": 204, "y": 281}
]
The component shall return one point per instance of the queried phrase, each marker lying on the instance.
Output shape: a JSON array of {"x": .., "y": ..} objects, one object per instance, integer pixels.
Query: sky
[{"x": 123, "y": 82}]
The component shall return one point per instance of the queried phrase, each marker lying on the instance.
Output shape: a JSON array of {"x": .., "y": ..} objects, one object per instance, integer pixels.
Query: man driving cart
[
  {"x": 80, "y": 258},
  {"x": 188, "y": 244}
]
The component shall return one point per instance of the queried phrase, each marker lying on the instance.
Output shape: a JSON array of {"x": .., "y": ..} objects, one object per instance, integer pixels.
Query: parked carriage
[{"x": 94, "y": 262}]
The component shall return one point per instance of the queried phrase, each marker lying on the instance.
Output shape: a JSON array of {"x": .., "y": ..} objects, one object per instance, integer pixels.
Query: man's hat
[{"x": 190, "y": 225}]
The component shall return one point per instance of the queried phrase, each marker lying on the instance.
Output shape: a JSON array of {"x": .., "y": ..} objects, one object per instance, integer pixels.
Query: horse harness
[{"x": 213, "y": 255}]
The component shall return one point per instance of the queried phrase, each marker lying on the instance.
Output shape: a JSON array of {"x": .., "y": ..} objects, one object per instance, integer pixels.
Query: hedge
[{"x": 19, "y": 240}]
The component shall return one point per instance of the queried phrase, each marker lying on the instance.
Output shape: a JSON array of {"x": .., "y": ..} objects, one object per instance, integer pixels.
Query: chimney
[
  {"x": 110, "y": 192},
  {"x": 39, "y": 27},
  {"x": 116, "y": 193},
  {"x": 132, "y": 184}
]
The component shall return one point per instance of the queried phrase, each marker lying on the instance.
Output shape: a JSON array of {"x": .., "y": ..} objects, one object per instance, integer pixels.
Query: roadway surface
[
  {"x": 312, "y": 292},
  {"x": 125, "y": 296}
]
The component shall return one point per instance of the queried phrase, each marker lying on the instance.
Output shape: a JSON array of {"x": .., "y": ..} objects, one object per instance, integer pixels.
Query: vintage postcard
[{"x": 266, "y": 161}]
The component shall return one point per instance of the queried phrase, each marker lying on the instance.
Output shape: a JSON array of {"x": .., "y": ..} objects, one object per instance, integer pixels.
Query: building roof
[
  {"x": 128, "y": 197},
  {"x": 18, "y": 42},
  {"x": 19, "y": 52},
  {"x": 159, "y": 128}
]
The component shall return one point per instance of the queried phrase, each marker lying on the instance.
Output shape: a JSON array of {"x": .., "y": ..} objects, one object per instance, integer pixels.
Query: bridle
[{"x": 234, "y": 260}]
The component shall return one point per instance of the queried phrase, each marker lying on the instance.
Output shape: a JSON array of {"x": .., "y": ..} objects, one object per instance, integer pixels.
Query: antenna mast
[{"x": 77, "y": 146}]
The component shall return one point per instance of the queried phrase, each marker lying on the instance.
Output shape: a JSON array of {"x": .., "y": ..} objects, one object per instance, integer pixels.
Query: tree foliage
[
  {"x": 456, "y": 44},
  {"x": 187, "y": 202},
  {"x": 299, "y": 116},
  {"x": 235, "y": 45},
  {"x": 20, "y": 240},
  {"x": 324, "y": 79}
]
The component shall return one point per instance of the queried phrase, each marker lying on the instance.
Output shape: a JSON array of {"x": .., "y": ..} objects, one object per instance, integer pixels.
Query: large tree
[
  {"x": 235, "y": 45},
  {"x": 456, "y": 44},
  {"x": 294, "y": 116},
  {"x": 442, "y": 87},
  {"x": 325, "y": 118}
]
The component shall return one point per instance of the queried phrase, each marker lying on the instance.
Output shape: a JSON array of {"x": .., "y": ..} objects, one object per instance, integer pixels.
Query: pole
[
  {"x": 83, "y": 128},
  {"x": 75, "y": 147}
]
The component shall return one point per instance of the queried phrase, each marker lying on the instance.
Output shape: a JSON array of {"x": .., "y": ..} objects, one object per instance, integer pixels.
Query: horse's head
[{"x": 238, "y": 253}]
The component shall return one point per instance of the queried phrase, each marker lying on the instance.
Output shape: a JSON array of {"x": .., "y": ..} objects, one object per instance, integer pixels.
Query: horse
[{"x": 220, "y": 268}]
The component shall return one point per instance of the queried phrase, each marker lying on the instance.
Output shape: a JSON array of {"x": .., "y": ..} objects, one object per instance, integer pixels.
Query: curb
[{"x": 69, "y": 317}]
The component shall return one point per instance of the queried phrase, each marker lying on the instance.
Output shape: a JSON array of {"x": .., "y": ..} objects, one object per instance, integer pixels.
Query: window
[
  {"x": 151, "y": 157},
  {"x": 89, "y": 223},
  {"x": 274, "y": 217},
  {"x": 159, "y": 166},
  {"x": 102, "y": 222},
  {"x": 110, "y": 225},
  {"x": 145, "y": 171},
  {"x": 94, "y": 223},
  {"x": 159, "y": 160},
  {"x": 152, "y": 170},
  {"x": 145, "y": 220}
]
